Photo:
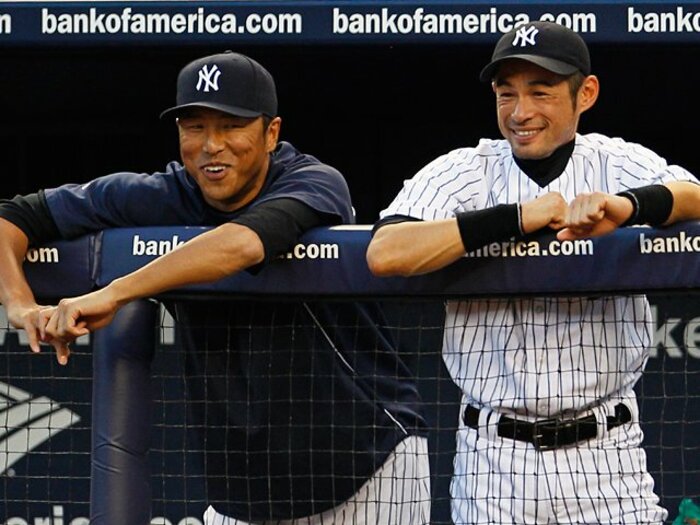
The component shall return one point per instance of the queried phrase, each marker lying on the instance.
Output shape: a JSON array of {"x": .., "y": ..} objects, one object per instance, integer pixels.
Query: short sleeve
[{"x": 448, "y": 185}]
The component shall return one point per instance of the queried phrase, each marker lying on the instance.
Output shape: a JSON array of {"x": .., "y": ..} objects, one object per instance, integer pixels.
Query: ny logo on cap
[
  {"x": 208, "y": 78},
  {"x": 525, "y": 36}
]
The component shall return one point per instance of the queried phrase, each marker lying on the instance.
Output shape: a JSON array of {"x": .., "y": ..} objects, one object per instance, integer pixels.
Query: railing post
[{"x": 121, "y": 417}]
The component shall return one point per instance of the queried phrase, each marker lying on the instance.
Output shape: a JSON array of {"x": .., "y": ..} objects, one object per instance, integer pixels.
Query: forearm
[
  {"x": 686, "y": 201},
  {"x": 14, "y": 288},
  {"x": 209, "y": 257},
  {"x": 413, "y": 248}
]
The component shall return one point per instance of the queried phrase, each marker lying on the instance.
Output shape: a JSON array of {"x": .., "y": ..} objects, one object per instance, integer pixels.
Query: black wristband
[
  {"x": 652, "y": 205},
  {"x": 482, "y": 227}
]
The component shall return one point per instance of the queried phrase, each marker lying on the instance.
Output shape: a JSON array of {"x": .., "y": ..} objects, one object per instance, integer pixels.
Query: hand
[
  {"x": 32, "y": 318},
  {"x": 595, "y": 214},
  {"x": 78, "y": 316},
  {"x": 547, "y": 210}
]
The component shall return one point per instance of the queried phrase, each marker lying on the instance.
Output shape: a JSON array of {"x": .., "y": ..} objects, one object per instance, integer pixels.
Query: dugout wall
[{"x": 378, "y": 105}]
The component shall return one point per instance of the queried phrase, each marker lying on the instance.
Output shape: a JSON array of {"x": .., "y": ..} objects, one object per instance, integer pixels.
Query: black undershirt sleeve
[
  {"x": 31, "y": 214},
  {"x": 478, "y": 227},
  {"x": 279, "y": 224},
  {"x": 392, "y": 219}
]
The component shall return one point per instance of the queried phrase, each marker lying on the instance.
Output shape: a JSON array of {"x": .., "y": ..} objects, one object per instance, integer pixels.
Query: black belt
[{"x": 550, "y": 433}]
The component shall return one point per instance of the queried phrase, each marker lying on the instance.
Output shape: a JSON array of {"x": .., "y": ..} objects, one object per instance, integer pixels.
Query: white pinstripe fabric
[
  {"x": 397, "y": 494},
  {"x": 473, "y": 178},
  {"x": 542, "y": 357},
  {"x": 603, "y": 481}
]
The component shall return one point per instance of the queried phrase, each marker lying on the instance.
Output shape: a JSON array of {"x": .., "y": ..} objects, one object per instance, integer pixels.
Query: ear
[
  {"x": 272, "y": 134},
  {"x": 588, "y": 92}
]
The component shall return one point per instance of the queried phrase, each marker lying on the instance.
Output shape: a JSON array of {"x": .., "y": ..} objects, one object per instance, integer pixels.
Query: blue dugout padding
[
  {"x": 326, "y": 262},
  {"x": 120, "y": 486},
  {"x": 331, "y": 261},
  {"x": 64, "y": 268}
]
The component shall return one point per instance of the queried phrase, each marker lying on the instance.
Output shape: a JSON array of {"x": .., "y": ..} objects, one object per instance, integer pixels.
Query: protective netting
[{"x": 280, "y": 364}]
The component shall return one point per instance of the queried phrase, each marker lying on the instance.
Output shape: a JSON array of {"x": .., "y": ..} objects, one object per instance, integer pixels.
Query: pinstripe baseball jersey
[{"x": 545, "y": 356}]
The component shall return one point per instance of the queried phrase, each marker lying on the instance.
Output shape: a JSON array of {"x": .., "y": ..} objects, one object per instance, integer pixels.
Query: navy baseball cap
[
  {"x": 229, "y": 82},
  {"x": 549, "y": 45}
]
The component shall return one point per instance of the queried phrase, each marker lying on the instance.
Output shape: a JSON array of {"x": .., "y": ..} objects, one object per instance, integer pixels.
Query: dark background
[{"x": 378, "y": 113}]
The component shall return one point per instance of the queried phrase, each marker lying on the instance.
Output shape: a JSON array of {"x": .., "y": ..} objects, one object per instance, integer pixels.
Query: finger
[
  {"x": 42, "y": 321},
  {"x": 51, "y": 328},
  {"x": 559, "y": 225},
  {"x": 572, "y": 212},
  {"x": 74, "y": 326},
  {"x": 584, "y": 212},
  {"x": 63, "y": 320},
  {"x": 565, "y": 235},
  {"x": 77, "y": 331},
  {"x": 572, "y": 234},
  {"x": 596, "y": 210},
  {"x": 33, "y": 337},
  {"x": 62, "y": 352},
  {"x": 558, "y": 216}
]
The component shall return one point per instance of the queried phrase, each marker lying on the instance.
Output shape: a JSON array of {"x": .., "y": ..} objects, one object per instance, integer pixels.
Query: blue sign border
[{"x": 335, "y": 22}]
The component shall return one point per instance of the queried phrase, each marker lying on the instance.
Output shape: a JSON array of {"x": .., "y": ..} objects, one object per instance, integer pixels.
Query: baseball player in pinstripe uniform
[{"x": 549, "y": 428}]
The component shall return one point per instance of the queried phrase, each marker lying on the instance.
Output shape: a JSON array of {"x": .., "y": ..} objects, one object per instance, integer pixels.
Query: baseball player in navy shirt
[
  {"x": 297, "y": 428},
  {"x": 549, "y": 428}
]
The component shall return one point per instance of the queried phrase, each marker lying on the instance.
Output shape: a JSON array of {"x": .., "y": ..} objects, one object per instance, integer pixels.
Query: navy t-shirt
[
  {"x": 173, "y": 198},
  {"x": 296, "y": 403}
]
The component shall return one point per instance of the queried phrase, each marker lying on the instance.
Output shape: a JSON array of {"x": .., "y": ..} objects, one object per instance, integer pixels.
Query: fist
[
  {"x": 595, "y": 214},
  {"x": 549, "y": 210}
]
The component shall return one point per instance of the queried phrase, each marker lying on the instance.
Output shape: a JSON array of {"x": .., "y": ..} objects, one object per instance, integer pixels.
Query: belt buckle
[
  {"x": 557, "y": 433},
  {"x": 544, "y": 434},
  {"x": 541, "y": 434}
]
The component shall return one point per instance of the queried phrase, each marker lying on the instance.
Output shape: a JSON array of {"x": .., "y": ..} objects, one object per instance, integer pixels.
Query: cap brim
[
  {"x": 550, "y": 64},
  {"x": 230, "y": 110}
]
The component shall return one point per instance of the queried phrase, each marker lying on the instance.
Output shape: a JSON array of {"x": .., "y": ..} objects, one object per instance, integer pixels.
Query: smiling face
[
  {"x": 535, "y": 108},
  {"x": 227, "y": 156}
]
